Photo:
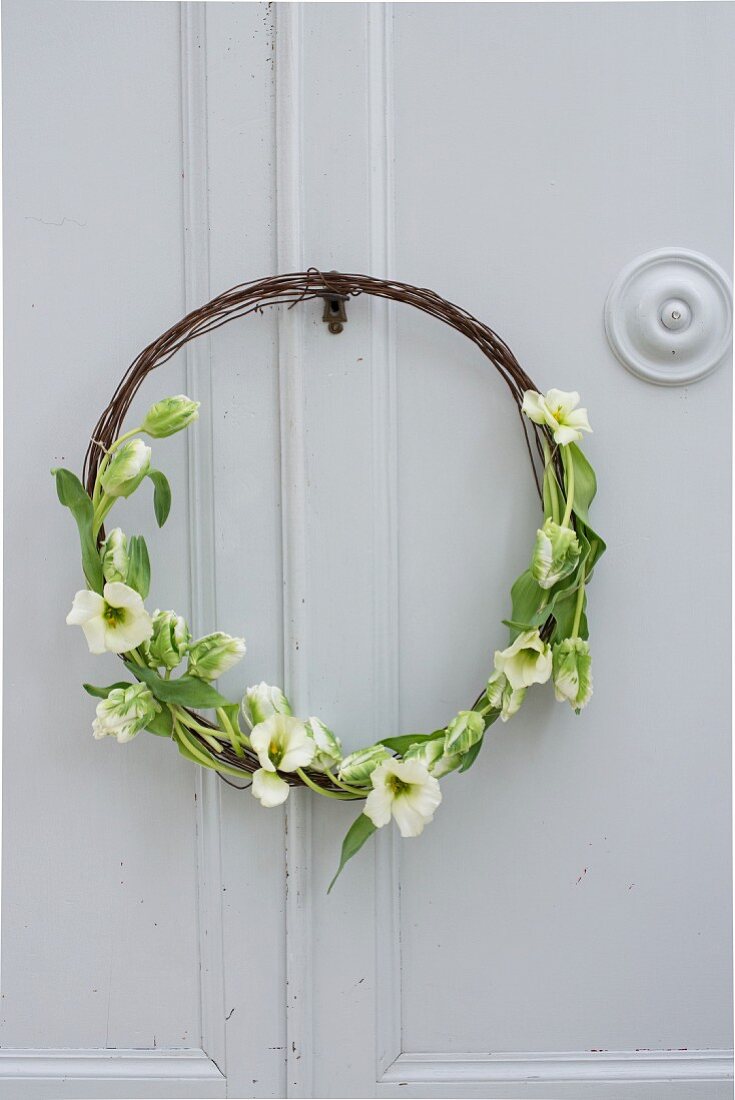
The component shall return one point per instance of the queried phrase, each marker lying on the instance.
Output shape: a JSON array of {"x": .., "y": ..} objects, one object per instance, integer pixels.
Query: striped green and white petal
[{"x": 572, "y": 672}]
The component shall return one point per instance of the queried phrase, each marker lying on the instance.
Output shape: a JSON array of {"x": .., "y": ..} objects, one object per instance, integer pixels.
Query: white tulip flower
[
  {"x": 360, "y": 765},
  {"x": 503, "y": 697},
  {"x": 114, "y": 556},
  {"x": 261, "y": 701},
  {"x": 527, "y": 661},
  {"x": 559, "y": 412},
  {"x": 124, "y": 713},
  {"x": 573, "y": 672},
  {"x": 114, "y": 622},
  {"x": 282, "y": 743},
  {"x": 405, "y": 790},
  {"x": 214, "y": 655},
  {"x": 127, "y": 468},
  {"x": 433, "y": 755},
  {"x": 555, "y": 554},
  {"x": 169, "y": 416},
  {"x": 269, "y": 788},
  {"x": 169, "y": 642},
  {"x": 328, "y": 745}
]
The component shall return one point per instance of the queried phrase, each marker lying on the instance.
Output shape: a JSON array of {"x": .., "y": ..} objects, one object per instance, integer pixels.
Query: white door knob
[{"x": 668, "y": 316}]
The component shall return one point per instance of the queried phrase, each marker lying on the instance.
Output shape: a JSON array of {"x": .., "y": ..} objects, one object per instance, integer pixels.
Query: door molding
[
  {"x": 200, "y": 461},
  {"x": 291, "y": 392},
  {"x": 78, "y": 1074},
  {"x": 590, "y": 1066}
]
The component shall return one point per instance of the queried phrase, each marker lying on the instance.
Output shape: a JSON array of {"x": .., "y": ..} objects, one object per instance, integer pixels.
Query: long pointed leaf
[
  {"x": 358, "y": 833},
  {"x": 161, "y": 496},
  {"x": 74, "y": 496}
]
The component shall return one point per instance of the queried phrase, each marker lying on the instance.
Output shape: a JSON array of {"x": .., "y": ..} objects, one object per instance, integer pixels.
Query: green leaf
[
  {"x": 161, "y": 724},
  {"x": 469, "y": 758},
  {"x": 597, "y": 546},
  {"x": 585, "y": 482},
  {"x": 187, "y": 691},
  {"x": 526, "y": 597},
  {"x": 103, "y": 692},
  {"x": 400, "y": 744},
  {"x": 161, "y": 496},
  {"x": 74, "y": 496},
  {"x": 358, "y": 833},
  {"x": 139, "y": 566}
]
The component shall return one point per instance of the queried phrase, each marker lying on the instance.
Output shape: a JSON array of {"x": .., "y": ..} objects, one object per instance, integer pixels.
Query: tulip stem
[
  {"x": 569, "y": 471},
  {"x": 579, "y": 605},
  {"x": 236, "y": 736},
  {"x": 345, "y": 786},
  {"x": 551, "y": 482},
  {"x": 100, "y": 513},
  {"x": 199, "y": 754},
  {"x": 321, "y": 790}
]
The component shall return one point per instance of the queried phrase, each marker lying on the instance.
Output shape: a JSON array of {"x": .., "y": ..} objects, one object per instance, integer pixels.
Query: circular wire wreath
[{"x": 398, "y": 776}]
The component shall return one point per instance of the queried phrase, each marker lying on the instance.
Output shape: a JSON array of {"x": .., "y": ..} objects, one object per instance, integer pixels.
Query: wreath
[{"x": 260, "y": 736}]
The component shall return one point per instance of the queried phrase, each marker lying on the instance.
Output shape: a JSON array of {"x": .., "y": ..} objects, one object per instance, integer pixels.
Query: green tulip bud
[
  {"x": 463, "y": 732},
  {"x": 432, "y": 756},
  {"x": 170, "y": 416},
  {"x": 114, "y": 556},
  {"x": 572, "y": 672},
  {"x": 124, "y": 713},
  {"x": 503, "y": 696},
  {"x": 169, "y": 641},
  {"x": 555, "y": 554},
  {"x": 359, "y": 766},
  {"x": 126, "y": 469},
  {"x": 328, "y": 746},
  {"x": 215, "y": 654},
  {"x": 261, "y": 701}
]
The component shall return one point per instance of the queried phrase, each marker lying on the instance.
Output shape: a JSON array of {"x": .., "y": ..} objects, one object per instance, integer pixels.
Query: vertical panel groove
[
  {"x": 201, "y": 508},
  {"x": 289, "y": 205},
  {"x": 385, "y": 515}
]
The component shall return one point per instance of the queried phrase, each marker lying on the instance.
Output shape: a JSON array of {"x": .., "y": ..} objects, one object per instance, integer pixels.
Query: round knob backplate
[{"x": 668, "y": 316}]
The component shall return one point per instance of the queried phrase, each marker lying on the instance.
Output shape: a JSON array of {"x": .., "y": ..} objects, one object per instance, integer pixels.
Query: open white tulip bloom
[
  {"x": 124, "y": 713},
  {"x": 282, "y": 743},
  {"x": 114, "y": 622},
  {"x": 527, "y": 661},
  {"x": 559, "y": 412},
  {"x": 269, "y": 788},
  {"x": 405, "y": 790},
  {"x": 503, "y": 696}
]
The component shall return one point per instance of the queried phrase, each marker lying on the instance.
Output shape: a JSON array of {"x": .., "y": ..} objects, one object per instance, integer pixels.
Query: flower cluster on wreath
[{"x": 398, "y": 777}]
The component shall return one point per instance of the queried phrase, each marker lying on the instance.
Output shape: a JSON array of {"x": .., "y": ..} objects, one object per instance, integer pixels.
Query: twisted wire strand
[{"x": 291, "y": 290}]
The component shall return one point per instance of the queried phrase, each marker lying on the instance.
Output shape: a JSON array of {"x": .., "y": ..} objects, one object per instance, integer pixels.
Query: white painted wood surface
[{"x": 563, "y": 926}]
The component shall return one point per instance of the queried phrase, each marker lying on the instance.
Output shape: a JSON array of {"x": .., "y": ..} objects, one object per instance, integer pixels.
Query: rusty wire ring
[{"x": 291, "y": 290}]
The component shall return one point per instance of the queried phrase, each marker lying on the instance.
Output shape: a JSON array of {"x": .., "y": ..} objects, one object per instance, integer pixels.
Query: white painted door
[{"x": 358, "y": 505}]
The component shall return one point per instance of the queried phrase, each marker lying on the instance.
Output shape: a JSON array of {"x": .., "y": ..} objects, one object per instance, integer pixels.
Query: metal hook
[{"x": 335, "y": 311}]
